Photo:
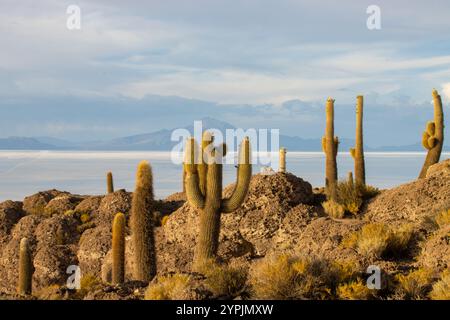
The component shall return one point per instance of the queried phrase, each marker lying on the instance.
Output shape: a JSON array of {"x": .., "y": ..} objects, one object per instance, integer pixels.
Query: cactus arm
[
  {"x": 193, "y": 193},
  {"x": 435, "y": 133},
  {"x": 244, "y": 174}
]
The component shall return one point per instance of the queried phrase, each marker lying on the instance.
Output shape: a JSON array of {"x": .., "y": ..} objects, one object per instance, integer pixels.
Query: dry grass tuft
[
  {"x": 355, "y": 290},
  {"x": 443, "y": 218},
  {"x": 415, "y": 284},
  {"x": 172, "y": 287},
  {"x": 226, "y": 280},
  {"x": 333, "y": 209},
  {"x": 285, "y": 278},
  {"x": 376, "y": 240},
  {"x": 441, "y": 289}
]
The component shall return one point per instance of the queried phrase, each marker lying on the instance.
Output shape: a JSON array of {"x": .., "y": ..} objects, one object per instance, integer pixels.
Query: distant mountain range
[{"x": 161, "y": 141}]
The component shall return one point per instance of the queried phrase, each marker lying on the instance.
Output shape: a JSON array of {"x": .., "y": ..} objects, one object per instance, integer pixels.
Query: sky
[{"x": 140, "y": 66}]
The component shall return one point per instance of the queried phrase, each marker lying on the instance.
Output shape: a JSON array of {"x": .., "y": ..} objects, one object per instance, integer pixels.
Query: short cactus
[
  {"x": 118, "y": 249},
  {"x": 109, "y": 182},
  {"x": 282, "y": 160},
  {"x": 350, "y": 180},
  {"x": 142, "y": 224},
  {"x": 358, "y": 152},
  {"x": 330, "y": 145},
  {"x": 25, "y": 268},
  {"x": 433, "y": 136},
  {"x": 206, "y": 194}
]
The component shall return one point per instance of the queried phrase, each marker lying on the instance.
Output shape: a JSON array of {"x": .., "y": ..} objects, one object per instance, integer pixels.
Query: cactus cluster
[
  {"x": 204, "y": 190},
  {"x": 142, "y": 224},
  {"x": 358, "y": 151},
  {"x": 433, "y": 136},
  {"x": 330, "y": 145}
]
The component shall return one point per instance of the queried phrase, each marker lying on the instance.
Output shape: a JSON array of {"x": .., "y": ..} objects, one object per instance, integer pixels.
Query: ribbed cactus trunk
[
  {"x": 142, "y": 225},
  {"x": 109, "y": 182},
  {"x": 433, "y": 137},
  {"x": 350, "y": 180},
  {"x": 25, "y": 268},
  {"x": 282, "y": 160},
  {"x": 330, "y": 146},
  {"x": 208, "y": 238},
  {"x": 118, "y": 249},
  {"x": 358, "y": 152},
  {"x": 209, "y": 201}
]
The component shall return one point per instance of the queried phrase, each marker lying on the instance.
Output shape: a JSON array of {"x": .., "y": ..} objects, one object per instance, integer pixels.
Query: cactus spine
[
  {"x": 118, "y": 249},
  {"x": 206, "y": 194},
  {"x": 25, "y": 267},
  {"x": 330, "y": 145},
  {"x": 109, "y": 182},
  {"x": 282, "y": 160},
  {"x": 433, "y": 136},
  {"x": 358, "y": 152},
  {"x": 142, "y": 224}
]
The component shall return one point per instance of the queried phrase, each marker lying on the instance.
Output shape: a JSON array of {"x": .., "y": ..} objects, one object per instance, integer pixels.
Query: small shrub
[
  {"x": 88, "y": 283},
  {"x": 415, "y": 284},
  {"x": 367, "y": 192},
  {"x": 333, "y": 209},
  {"x": 285, "y": 277},
  {"x": 85, "y": 217},
  {"x": 443, "y": 218},
  {"x": 348, "y": 196},
  {"x": 355, "y": 290},
  {"x": 164, "y": 220},
  {"x": 376, "y": 240},
  {"x": 51, "y": 292},
  {"x": 172, "y": 287},
  {"x": 441, "y": 289},
  {"x": 82, "y": 228},
  {"x": 226, "y": 280}
]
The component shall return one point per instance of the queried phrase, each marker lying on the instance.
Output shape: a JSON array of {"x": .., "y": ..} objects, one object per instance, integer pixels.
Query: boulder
[
  {"x": 35, "y": 204},
  {"x": 51, "y": 263},
  {"x": 111, "y": 204},
  {"x": 94, "y": 244},
  {"x": 62, "y": 203},
  {"x": 10, "y": 213}
]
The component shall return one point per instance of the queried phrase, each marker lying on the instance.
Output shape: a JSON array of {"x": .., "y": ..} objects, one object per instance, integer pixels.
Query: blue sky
[{"x": 253, "y": 63}]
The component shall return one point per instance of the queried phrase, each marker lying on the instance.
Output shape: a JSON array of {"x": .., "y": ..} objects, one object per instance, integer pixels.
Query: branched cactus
[
  {"x": 433, "y": 136},
  {"x": 25, "y": 267},
  {"x": 142, "y": 224},
  {"x": 330, "y": 145},
  {"x": 282, "y": 160},
  {"x": 358, "y": 152},
  {"x": 204, "y": 191},
  {"x": 109, "y": 182},
  {"x": 118, "y": 249}
]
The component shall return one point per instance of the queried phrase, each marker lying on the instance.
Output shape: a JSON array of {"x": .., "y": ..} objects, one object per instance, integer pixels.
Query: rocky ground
[{"x": 282, "y": 214}]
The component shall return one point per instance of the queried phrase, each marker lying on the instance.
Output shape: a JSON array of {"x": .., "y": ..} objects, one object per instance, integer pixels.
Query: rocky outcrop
[
  {"x": 10, "y": 213},
  {"x": 62, "y": 203},
  {"x": 112, "y": 203},
  {"x": 414, "y": 201},
  {"x": 246, "y": 232},
  {"x": 36, "y": 203},
  {"x": 93, "y": 247}
]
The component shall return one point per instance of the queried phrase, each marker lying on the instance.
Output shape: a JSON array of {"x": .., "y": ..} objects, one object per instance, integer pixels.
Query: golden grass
[
  {"x": 415, "y": 284},
  {"x": 441, "y": 289},
  {"x": 443, "y": 218},
  {"x": 226, "y": 280},
  {"x": 173, "y": 287},
  {"x": 355, "y": 290},
  {"x": 285, "y": 277},
  {"x": 376, "y": 240}
]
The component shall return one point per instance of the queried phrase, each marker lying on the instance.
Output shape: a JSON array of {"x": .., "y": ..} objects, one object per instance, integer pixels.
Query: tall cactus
[
  {"x": 358, "y": 152},
  {"x": 142, "y": 224},
  {"x": 282, "y": 160},
  {"x": 118, "y": 249},
  {"x": 25, "y": 267},
  {"x": 330, "y": 145},
  {"x": 109, "y": 182},
  {"x": 209, "y": 200},
  {"x": 433, "y": 136}
]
